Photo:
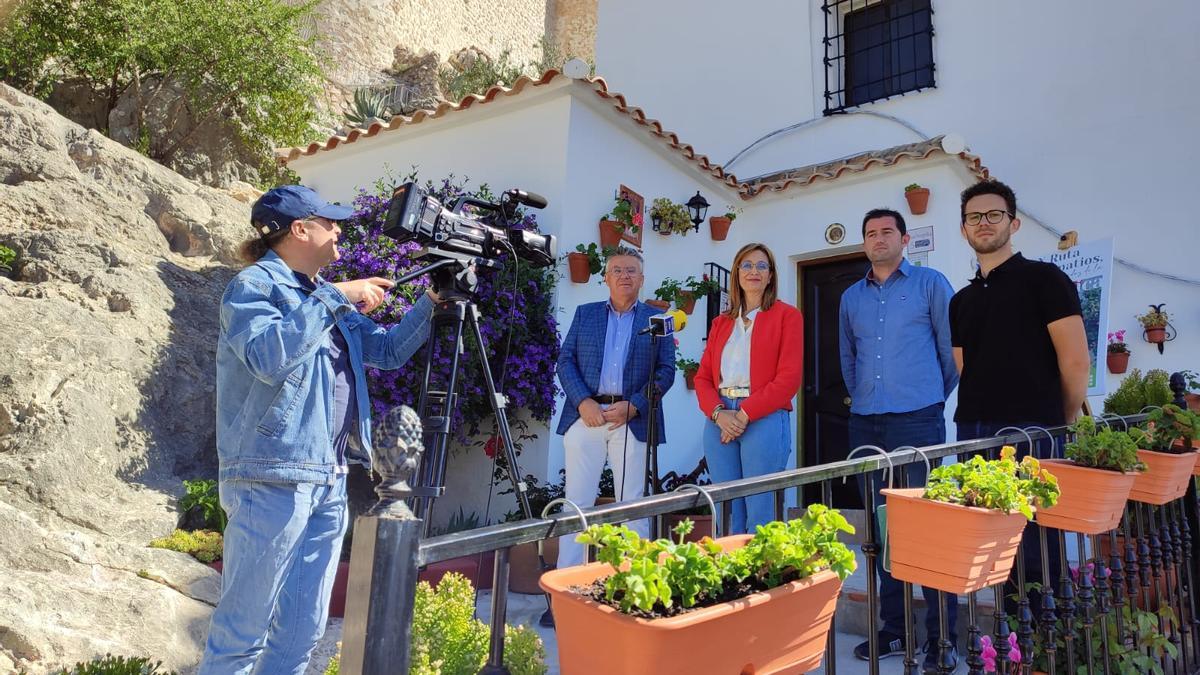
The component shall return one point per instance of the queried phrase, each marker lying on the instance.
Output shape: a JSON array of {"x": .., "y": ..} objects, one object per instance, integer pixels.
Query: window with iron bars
[{"x": 876, "y": 49}]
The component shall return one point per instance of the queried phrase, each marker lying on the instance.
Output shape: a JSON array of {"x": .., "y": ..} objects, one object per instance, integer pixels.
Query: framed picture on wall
[{"x": 637, "y": 206}]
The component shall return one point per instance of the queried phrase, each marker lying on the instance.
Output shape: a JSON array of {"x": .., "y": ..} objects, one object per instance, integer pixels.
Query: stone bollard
[{"x": 383, "y": 558}]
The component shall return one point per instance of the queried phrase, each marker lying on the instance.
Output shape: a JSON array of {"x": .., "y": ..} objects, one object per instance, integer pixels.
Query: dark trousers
[
  {"x": 918, "y": 428},
  {"x": 1031, "y": 544}
]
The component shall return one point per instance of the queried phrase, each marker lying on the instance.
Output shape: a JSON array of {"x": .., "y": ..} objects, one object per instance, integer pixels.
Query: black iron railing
[
  {"x": 1150, "y": 562},
  {"x": 876, "y": 49}
]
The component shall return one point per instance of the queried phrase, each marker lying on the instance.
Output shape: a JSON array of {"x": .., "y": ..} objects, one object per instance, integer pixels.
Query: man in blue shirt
[{"x": 898, "y": 365}]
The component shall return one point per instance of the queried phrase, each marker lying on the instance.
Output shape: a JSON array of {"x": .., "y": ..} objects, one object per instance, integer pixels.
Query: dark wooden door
[{"x": 826, "y": 399}]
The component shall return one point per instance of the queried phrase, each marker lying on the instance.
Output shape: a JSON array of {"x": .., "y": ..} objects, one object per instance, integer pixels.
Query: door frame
[{"x": 800, "y": 262}]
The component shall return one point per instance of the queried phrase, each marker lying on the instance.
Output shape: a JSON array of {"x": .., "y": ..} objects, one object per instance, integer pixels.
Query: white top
[{"x": 735, "y": 357}]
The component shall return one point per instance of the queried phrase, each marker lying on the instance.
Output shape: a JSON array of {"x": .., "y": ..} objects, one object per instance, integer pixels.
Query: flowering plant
[
  {"x": 1000, "y": 484},
  {"x": 687, "y": 365},
  {"x": 706, "y": 286},
  {"x": 1116, "y": 342},
  {"x": 1155, "y": 318},
  {"x": 670, "y": 216},
  {"x": 732, "y": 212},
  {"x": 516, "y": 304},
  {"x": 988, "y": 654},
  {"x": 622, "y": 213}
]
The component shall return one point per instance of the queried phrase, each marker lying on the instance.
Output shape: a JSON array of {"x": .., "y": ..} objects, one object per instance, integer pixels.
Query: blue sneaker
[
  {"x": 890, "y": 644},
  {"x": 930, "y": 667}
]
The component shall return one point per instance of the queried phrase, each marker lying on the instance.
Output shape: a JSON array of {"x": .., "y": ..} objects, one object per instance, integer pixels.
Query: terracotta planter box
[
  {"x": 660, "y": 305},
  {"x": 689, "y": 302},
  {"x": 782, "y": 630},
  {"x": 719, "y": 227},
  {"x": 980, "y": 552},
  {"x": 610, "y": 232},
  {"x": 524, "y": 568},
  {"x": 1156, "y": 335},
  {"x": 1118, "y": 362},
  {"x": 1092, "y": 500},
  {"x": 476, "y": 568},
  {"x": 918, "y": 200},
  {"x": 578, "y": 265},
  {"x": 1165, "y": 479}
]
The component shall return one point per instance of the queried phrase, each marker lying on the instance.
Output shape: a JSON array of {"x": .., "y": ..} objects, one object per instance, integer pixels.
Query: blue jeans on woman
[
  {"x": 918, "y": 428},
  {"x": 282, "y": 546},
  {"x": 762, "y": 448}
]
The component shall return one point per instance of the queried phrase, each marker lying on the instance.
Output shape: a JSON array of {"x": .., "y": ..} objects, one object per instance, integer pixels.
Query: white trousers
[{"x": 585, "y": 449}]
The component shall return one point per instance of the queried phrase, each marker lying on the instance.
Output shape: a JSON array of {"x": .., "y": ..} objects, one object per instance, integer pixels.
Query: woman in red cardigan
[{"x": 749, "y": 374}]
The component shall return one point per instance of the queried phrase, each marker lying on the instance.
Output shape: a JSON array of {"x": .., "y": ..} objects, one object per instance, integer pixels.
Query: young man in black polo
[{"x": 1019, "y": 343}]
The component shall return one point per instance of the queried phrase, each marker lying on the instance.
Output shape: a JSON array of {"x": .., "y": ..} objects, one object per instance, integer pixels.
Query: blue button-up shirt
[
  {"x": 895, "y": 341},
  {"x": 616, "y": 349}
]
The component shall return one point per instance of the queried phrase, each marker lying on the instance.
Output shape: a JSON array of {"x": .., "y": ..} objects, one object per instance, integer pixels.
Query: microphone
[
  {"x": 661, "y": 325},
  {"x": 527, "y": 198}
]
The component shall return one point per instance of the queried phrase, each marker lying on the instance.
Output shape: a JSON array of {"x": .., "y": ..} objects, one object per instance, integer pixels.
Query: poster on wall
[{"x": 1090, "y": 266}]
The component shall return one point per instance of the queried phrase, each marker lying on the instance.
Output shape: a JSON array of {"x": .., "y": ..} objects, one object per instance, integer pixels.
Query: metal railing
[{"x": 1155, "y": 566}]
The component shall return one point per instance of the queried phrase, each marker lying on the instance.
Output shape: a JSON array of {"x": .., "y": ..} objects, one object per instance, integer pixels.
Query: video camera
[{"x": 414, "y": 215}]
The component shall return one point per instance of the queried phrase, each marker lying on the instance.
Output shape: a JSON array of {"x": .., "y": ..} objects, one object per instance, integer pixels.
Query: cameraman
[{"x": 292, "y": 411}]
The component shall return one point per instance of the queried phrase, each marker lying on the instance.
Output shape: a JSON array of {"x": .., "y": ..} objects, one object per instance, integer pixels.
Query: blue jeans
[
  {"x": 918, "y": 428},
  {"x": 282, "y": 546},
  {"x": 762, "y": 448}
]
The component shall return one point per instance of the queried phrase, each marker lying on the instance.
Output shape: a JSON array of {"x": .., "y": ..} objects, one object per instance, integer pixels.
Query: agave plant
[{"x": 368, "y": 105}]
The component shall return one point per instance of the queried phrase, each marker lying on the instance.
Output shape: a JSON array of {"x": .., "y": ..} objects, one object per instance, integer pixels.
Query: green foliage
[
  {"x": 1136, "y": 392},
  {"x": 1106, "y": 449},
  {"x": 459, "y": 522},
  {"x": 912, "y": 186},
  {"x": 597, "y": 256},
  {"x": 366, "y": 106},
  {"x": 687, "y": 365},
  {"x": 1171, "y": 424},
  {"x": 447, "y": 639},
  {"x": 7, "y": 256},
  {"x": 732, "y": 212},
  {"x": 116, "y": 665},
  {"x": 1155, "y": 318},
  {"x": 671, "y": 216},
  {"x": 670, "y": 290},
  {"x": 663, "y": 573},
  {"x": 1000, "y": 484},
  {"x": 334, "y": 666},
  {"x": 203, "y": 545},
  {"x": 203, "y": 494},
  {"x": 245, "y": 62},
  {"x": 483, "y": 74},
  {"x": 622, "y": 212},
  {"x": 538, "y": 495},
  {"x": 706, "y": 286}
]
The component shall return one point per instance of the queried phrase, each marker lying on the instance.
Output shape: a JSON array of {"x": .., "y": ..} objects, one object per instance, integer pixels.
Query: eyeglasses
[
  {"x": 623, "y": 271},
  {"x": 995, "y": 217},
  {"x": 748, "y": 266}
]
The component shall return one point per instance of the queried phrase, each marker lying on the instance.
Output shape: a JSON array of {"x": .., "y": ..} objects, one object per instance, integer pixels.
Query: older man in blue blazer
[{"x": 604, "y": 369}]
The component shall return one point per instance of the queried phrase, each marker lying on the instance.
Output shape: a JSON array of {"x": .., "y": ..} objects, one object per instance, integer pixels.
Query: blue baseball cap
[{"x": 278, "y": 207}]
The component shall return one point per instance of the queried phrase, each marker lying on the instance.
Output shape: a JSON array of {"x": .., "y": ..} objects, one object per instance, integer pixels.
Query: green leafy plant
[
  {"x": 1000, "y": 484},
  {"x": 1103, "y": 449},
  {"x": 687, "y": 365},
  {"x": 366, "y": 106},
  {"x": 706, "y": 286},
  {"x": 1155, "y": 318},
  {"x": 116, "y": 665},
  {"x": 7, "y": 256},
  {"x": 732, "y": 212},
  {"x": 912, "y": 186},
  {"x": 661, "y": 574},
  {"x": 1137, "y": 391},
  {"x": 538, "y": 495},
  {"x": 203, "y": 545},
  {"x": 1169, "y": 425},
  {"x": 597, "y": 256},
  {"x": 622, "y": 213},
  {"x": 669, "y": 291},
  {"x": 671, "y": 216},
  {"x": 1192, "y": 379},
  {"x": 459, "y": 522},
  {"x": 204, "y": 495}
]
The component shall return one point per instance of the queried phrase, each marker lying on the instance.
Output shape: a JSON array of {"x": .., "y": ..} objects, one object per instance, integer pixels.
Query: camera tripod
[{"x": 454, "y": 280}]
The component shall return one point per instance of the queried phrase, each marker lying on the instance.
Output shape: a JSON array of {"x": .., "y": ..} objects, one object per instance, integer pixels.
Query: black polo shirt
[{"x": 1010, "y": 369}]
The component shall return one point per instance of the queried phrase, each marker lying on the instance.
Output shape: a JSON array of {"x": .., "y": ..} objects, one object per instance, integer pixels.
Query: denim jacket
[{"x": 275, "y": 375}]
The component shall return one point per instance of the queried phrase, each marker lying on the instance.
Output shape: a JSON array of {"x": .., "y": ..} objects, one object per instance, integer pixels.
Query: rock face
[{"x": 106, "y": 394}]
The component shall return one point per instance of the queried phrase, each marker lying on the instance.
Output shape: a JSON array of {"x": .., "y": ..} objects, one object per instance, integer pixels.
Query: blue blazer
[{"x": 582, "y": 355}]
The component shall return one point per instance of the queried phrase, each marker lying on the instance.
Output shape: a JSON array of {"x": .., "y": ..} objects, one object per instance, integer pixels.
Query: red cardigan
[{"x": 776, "y": 361}]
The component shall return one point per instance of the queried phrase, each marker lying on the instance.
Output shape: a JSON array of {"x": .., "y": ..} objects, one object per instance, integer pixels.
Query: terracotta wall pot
[
  {"x": 689, "y": 301},
  {"x": 610, "y": 232},
  {"x": 1193, "y": 402},
  {"x": 660, "y": 305},
  {"x": 476, "y": 568},
  {"x": 719, "y": 227},
  {"x": 1092, "y": 500},
  {"x": 782, "y": 630},
  {"x": 524, "y": 568},
  {"x": 980, "y": 553},
  {"x": 918, "y": 200},
  {"x": 1118, "y": 362},
  {"x": 1165, "y": 479},
  {"x": 1156, "y": 335},
  {"x": 689, "y": 378},
  {"x": 702, "y": 526},
  {"x": 578, "y": 265}
]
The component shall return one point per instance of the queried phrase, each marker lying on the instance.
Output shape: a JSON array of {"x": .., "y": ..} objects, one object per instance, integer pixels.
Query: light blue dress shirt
[
  {"x": 895, "y": 341},
  {"x": 616, "y": 349}
]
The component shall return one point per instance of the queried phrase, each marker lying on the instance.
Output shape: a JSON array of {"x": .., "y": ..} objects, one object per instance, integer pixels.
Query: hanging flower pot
[
  {"x": 689, "y": 378},
  {"x": 660, "y": 305},
  {"x": 610, "y": 233},
  {"x": 719, "y": 227},
  {"x": 686, "y": 301},
  {"x": 1092, "y": 500},
  {"x": 1166, "y": 477},
  {"x": 917, "y": 197},
  {"x": 783, "y": 629},
  {"x": 579, "y": 266},
  {"x": 1156, "y": 335},
  {"x": 980, "y": 552},
  {"x": 1118, "y": 362}
]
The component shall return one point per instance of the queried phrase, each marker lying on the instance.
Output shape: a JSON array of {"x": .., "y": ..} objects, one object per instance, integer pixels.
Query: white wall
[{"x": 1084, "y": 107}]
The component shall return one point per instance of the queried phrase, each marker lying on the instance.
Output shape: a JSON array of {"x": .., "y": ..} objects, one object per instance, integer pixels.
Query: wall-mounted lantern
[{"x": 698, "y": 205}]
